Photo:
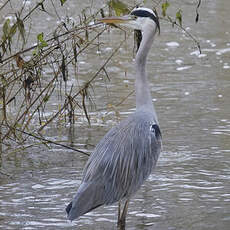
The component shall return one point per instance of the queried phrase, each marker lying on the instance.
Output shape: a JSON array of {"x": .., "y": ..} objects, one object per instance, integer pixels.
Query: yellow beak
[
  {"x": 129, "y": 21},
  {"x": 117, "y": 20}
]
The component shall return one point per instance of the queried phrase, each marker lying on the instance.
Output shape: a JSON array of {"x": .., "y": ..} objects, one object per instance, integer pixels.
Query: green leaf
[
  {"x": 40, "y": 37},
  {"x": 21, "y": 28},
  {"x": 13, "y": 30},
  {"x": 46, "y": 98},
  {"x": 179, "y": 16},
  {"x": 164, "y": 7},
  {"x": 42, "y": 42},
  {"x": 6, "y": 27},
  {"x": 35, "y": 52},
  {"x": 119, "y": 7},
  {"x": 62, "y": 2}
]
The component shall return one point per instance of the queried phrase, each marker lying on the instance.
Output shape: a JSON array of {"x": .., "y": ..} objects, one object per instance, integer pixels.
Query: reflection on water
[{"x": 190, "y": 188}]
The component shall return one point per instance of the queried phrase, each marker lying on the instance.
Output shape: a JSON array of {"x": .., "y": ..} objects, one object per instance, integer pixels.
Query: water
[{"x": 190, "y": 188}]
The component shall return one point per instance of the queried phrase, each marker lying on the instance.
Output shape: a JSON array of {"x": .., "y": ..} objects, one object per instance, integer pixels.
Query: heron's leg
[
  {"x": 125, "y": 210},
  {"x": 122, "y": 217},
  {"x": 119, "y": 212}
]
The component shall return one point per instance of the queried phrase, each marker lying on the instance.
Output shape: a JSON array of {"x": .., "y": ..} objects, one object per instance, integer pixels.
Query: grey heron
[{"x": 126, "y": 155}]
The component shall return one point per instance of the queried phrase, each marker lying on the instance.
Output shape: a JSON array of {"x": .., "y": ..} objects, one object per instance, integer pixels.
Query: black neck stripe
[{"x": 146, "y": 14}]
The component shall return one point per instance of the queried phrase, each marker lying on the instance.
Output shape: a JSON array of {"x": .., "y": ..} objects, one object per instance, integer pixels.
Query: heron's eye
[{"x": 134, "y": 16}]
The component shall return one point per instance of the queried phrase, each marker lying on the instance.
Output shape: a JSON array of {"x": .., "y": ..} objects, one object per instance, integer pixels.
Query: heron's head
[{"x": 138, "y": 19}]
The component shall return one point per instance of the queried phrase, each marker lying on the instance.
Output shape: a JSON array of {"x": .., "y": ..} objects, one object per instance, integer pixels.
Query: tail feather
[{"x": 88, "y": 197}]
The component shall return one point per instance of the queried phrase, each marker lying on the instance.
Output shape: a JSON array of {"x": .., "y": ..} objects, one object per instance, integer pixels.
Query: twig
[
  {"x": 4, "y": 4},
  {"x": 197, "y": 13},
  {"x": 86, "y": 85},
  {"x": 186, "y": 32},
  {"x": 38, "y": 4},
  {"x": 28, "y": 108},
  {"x": 5, "y": 174},
  {"x": 125, "y": 98},
  {"x": 49, "y": 141},
  {"x": 49, "y": 40}
]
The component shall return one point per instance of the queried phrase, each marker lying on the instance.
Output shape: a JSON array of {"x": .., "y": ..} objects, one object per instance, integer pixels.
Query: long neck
[{"x": 143, "y": 95}]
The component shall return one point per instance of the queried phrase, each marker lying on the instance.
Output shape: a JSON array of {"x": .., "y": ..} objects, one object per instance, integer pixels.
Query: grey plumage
[
  {"x": 126, "y": 155},
  {"x": 120, "y": 163}
]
